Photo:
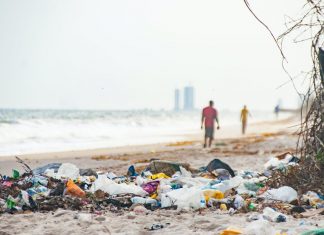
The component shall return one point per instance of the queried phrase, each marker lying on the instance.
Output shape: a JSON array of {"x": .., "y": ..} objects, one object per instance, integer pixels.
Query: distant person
[
  {"x": 276, "y": 110},
  {"x": 244, "y": 118},
  {"x": 208, "y": 117}
]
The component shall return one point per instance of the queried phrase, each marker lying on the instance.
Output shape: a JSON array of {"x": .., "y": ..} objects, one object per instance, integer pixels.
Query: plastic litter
[
  {"x": 216, "y": 194},
  {"x": 238, "y": 202},
  {"x": 15, "y": 174},
  {"x": 112, "y": 188},
  {"x": 280, "y": 161},
  {"x": 184, "y": 198},
  {"x": 156, "y": 227},
  {"x": 231, "y": 231},
  {"x": 68, "y": 170},
  {"x": 312, "y": 199},
  {"x": 74, "y": 190},
  {"x": 159, "y": 176},
  {"x": 218, "y": 164},
  {"x": 166, "y": 167},
  {"x": 314, "y": 232},
  {"x": 150, "y": 187},
  {"x": 284, "y": 194},
  {"x": 51, "y": 166},
  {"x": 273, "y": 216}
]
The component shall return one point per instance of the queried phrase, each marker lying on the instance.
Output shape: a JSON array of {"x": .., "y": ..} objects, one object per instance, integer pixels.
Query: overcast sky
[{"x": 132, "y": 54}]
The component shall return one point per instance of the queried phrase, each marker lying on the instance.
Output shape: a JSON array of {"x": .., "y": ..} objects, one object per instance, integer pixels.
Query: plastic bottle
[
  {"x": 251, "y": 206},
  {"x": 274, "y": 216},
  {"x": 15, "y": 174},
  {"x": 74, "y": 190}
]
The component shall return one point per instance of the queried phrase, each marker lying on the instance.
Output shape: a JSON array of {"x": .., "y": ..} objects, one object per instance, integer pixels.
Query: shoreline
[
  {"x": 120, "y": 157},
  {"x": 226, "y": 132}
]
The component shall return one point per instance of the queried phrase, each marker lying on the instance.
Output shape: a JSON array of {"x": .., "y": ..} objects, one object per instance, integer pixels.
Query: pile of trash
[{"x": 163, "y": 185}]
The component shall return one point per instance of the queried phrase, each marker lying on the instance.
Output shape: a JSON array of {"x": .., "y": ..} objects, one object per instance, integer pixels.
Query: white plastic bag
[
  {"x": 284, "y": 194},
  {"x": 68, "y": 170},
  {"x": 112, "y": 188},
  {"x": 275, "y": 162},
  {"x": 238, "y": 202},
  {"x": 228, "y": 184},
  {"x": 184, "y": 198}
]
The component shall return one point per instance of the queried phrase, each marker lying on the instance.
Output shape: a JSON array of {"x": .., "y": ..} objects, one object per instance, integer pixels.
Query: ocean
[{"x": 39, "y": 131}]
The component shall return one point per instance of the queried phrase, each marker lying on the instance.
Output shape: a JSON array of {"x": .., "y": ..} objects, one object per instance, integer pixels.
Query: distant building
[
  {"x": 188, "y": 98},
  {"x": 176, "y": 99}
]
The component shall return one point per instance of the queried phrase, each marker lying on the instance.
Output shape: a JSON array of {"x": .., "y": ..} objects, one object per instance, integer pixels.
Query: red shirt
[{"x": 209, "y": 113}]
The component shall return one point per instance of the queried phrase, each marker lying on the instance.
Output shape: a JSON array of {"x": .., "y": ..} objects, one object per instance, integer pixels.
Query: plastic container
[
  {"x": 216, "y": 194},
  {"x": 74, "y": 190},
  {"x": 231, "y": 231},
  {"x": 159, "y": 176}
]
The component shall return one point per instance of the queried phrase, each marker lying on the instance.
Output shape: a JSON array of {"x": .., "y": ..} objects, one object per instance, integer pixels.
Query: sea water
[{"x": 37, "y": 131}]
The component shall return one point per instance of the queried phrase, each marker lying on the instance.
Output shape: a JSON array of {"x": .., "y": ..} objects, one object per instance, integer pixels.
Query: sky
[{"x": 127, "y": 54}]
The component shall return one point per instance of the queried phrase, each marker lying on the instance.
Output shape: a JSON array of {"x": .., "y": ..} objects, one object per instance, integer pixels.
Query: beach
[
  {"x": 189, "y": 149},
  {"x": 263, "y": 141}
]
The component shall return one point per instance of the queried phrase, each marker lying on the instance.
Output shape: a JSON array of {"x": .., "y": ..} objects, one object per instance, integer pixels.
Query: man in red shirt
[{"x": 208, "y": 117}]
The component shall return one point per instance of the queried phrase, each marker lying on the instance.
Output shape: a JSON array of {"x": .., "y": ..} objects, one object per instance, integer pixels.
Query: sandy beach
[
  {"x": 250, "y": 152},
  {"x": 190, "y": 150}
]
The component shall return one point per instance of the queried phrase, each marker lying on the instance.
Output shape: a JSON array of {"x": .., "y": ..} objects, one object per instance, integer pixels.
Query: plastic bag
[
  {"x": 150, "y": 187},
  {"x": 218, "y": 164},
  {"x": 142, "y": 200},
  {"x": 275, "y": 162},
  {"x": 228, "y": 184},
  {"x": 284, "y": 194},
  {"x": 52, "y": 166},
  {"x": 184, "y": 198},
  {"x": 238, "y": 202},
  {"x": 112, "y": 188},
  {"x": 68, "y": 170}
]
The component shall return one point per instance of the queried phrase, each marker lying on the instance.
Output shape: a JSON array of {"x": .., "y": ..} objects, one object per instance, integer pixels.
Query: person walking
[
  {"x": 244, "y": 118},
  {"x": 208, "y": 117}
]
